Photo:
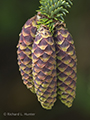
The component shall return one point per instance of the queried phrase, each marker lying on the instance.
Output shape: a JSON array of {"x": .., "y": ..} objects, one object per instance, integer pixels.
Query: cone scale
[
  {"x": 24, "y": 52},
  {"x": 44, "y": 68},
  {"x": 66, "y": 65}
]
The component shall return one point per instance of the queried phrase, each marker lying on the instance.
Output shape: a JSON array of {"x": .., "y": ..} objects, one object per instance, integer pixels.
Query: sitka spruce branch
[
  {"x": 46, "y": 55},
  {"x": 53, "y": 11}
]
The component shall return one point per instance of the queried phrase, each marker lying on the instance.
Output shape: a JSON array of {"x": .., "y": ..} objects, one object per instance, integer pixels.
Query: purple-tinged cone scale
[
  {"x": 24, "y": 52},
  {"x": 66, "y": 65},
  {"x": 44, "y": 68}
]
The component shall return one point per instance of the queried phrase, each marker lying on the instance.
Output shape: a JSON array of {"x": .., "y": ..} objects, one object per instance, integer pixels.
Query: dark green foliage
[{"x": 53, "y": 10}]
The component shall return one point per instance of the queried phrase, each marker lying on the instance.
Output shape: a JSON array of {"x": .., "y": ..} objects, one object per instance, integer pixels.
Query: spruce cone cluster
[{"x": 47, "y": 61}]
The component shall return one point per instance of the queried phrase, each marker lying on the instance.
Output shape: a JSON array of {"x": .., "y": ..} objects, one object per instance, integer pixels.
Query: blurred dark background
[{"x": 15, "y": 97}]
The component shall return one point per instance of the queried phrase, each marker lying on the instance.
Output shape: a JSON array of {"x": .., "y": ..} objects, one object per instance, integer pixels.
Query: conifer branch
[{"x": 53, "y": 11}]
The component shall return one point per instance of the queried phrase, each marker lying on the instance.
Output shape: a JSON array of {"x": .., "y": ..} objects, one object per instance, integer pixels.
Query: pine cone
[
  {"x": 24, "y": 52},
  {"x": 44, "y": 68},
  {"x": 66, "y": 65}
]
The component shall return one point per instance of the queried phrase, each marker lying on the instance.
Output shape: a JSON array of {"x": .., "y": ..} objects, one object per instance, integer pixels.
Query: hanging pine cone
[
  {"x": 66, "y": 65},
  {"x": 44, "y": 68},
  {"x": 24, "y": 52},
  {"x": 46, "y": 57}
]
